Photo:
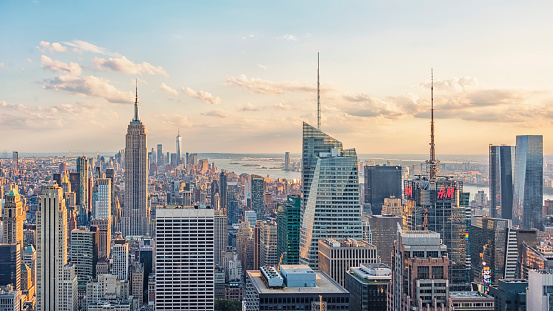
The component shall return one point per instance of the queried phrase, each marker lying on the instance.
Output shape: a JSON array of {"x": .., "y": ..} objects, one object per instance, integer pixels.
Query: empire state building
[{"x": 135, "y": 214}]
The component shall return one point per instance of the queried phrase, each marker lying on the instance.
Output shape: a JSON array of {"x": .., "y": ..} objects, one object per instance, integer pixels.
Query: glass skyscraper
[
  {"x": 381, "y": 182},
  {"x": 331, "y": 207},
  {"x": 502, "y": 160},
  {"x": 528, "y": 184}
]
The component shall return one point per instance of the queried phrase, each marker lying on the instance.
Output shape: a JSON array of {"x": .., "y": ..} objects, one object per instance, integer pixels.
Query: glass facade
[
  {"x": 288, "y": 218},
  {"x": 331, "y": 206},
  {"x": 528, "y": 182},
  {"x": 502, "y": 160},
  {"x": 381, "y": 182}
]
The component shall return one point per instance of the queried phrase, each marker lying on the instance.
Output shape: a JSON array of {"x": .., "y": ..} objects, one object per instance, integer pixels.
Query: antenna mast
[
  {"x": 318, "y": 96},
  {"x": 136, "y": 103},
  {"x": 432, "y": 164}
]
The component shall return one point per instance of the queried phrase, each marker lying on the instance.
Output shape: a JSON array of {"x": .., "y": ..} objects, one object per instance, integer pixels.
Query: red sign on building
[
  {"x": 446, "y": 193},
  {"x": 408, "y": 191}
]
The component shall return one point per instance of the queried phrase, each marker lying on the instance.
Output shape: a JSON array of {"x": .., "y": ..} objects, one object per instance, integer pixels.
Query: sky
[{"x": 241, "y": 76}]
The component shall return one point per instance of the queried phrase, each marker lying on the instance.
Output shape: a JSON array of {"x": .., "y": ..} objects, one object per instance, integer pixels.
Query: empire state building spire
[{"x": 136, "y": 103}]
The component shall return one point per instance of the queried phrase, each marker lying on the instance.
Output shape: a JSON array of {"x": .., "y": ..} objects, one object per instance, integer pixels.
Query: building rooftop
[
  {"x": 324, "y": 285},
  {"x": 348, "y": 242},
  {"x": 296, "y": 269},
  {"x": 469, "y": 295}
]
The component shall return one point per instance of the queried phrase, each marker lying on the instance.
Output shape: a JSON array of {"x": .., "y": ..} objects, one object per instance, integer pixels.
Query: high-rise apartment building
[
  {"x": 288, "y": 227},
  {"x": 502, "y": 162},
  {"x": 135, "y": 216},
  {"x": 83, "y": 207},
  {"x": 12, "y": 218},
  {"x": 56, "y": 280},
  {"x": 102, "y": 208},
  {"x": 179, "y": 144},
  {"x": 381, "y": 182},
  {"x": 120, "y": 258},
  {"x": 183, "y": 280},
  {"x": 419, "y": 271},
  {"x": 104, "y": 236},
  {"x": 528, "y": 182},
  {"x": 258, "y": 190},
  {"x": 331, "y": 207},
  {"x": 268, "y": 243},
  {"x": 84, "y": 252},
  {"x": 337, "y": 256}
]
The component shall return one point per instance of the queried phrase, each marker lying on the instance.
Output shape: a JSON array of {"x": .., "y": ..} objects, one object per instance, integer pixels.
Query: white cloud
[
  {"x": 125, "y": 65},
  {"x": 55, "y": 65},
  {"x": 1, "y": 65},
  {"x": 90, "y": 86},
  {"x": 250, "y": 36},
  {"x": 203, "y": 96},
  {"x": 29, "y": 60},
  {"x": 217, "y": 113},
  {"x": 289, "y": 37},
  {"x": 262, "y": 66},
  {"x": 168, "y": 89},
  {"x": 269, "y": 87},
  {"x": 55, "y": 46},
  {"x": 83, "y": 46},
  {"x": 249, "y": 107}
]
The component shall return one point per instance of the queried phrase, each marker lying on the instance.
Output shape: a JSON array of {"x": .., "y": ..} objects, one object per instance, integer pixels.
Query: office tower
[
  {"x": 102, "y": 267},
  {"x": 174, "y": 162},
  {"x": 288, "y": 227},
  {"x": 392, "y": 206},
  {"x": 223, "y": 178},
  {"x": 502, "y": 160},
  {"x": 256, "y": 236},
  {"x": 250, "y": 217},
  {"x": 137, "y": 281},
  {"x": 540, "y": 289},
  {"x": 84, "y": 253},
  {"x": 10, "y": 265},
  {"x": 104, "y": 236},
  {"x": 107, "y": 286},
  {"x": 10, "y": 299},
  {"x": 369, "y": 286},
  {"x": 160, "y": 161},
  {"x": 179, "y": 143},
  {"x": 29, "y": 258},
  {"x": 82, "y": 170},
  {"x": 12, "y": 218},
  {"x": 528, "y": 184},
  {"x": 62, "y": 168},
  {"x": 471, "y": 300},
  {"x": 287, "y": 161},
  {"x": 184, "y": 281},
  {"x": 146, "y": 249},
  {"x": 15, "y": 162},
  {"x": 103, "y": 201},
  {"x": 221, "y": 237},
  {"x": 337, "y": 256},
  {"x": 381, "y": 182},
  {"x": 56, "y": 280},
  {"x": 294, "y": 287},
  {"x": 258, "y": 190},
  {"x": 419, "y": 271},
  {"x": 120, "y": 256},
  {"x": 383, "y": 229},
  {"x": 510, "y": 295},
  {"x": 489, "y": 238},
  {"x": 268, "y": 243},
  {"x": 135, "y": 216},
  {"x": 330, "y": 207}
]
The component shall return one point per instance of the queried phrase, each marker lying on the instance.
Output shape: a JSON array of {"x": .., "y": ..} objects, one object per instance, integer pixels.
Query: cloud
[
  {"x": 269, "y": 87},
  {"x": 289, "y": 37},
  {"x": 250, "y": 36},
  {"x": 29, "y": 60},
  {"x": 83, "y": 46},
  {"x": 284, "y": 106},
  {"x": 1, "y": 65},
  {"x": 453, "y": 84},
  {"x": 125, "y": 65},
  {"x": 203, "y": 96},
  {"x": 262, "y": 66},
  {"x": 89, "y": 86},
  {"x": 55, "y": 46},
  {"x": 55, "y": 65},
  {"x": 217, "y": 113},
  {"x": 168, "y": 89},
  {"x": 248, "y": 107}
]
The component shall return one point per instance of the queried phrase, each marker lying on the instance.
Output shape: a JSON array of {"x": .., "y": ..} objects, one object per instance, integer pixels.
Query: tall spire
[
  {"x": 432, "y": 163},
  {"x": 318, "y": 96},
  {"x": 136, "y": 103}
]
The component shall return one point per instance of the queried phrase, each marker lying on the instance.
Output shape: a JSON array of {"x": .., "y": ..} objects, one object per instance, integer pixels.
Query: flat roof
[
  {"x": 296, "y": 269},
  {"x": 469, "y": 295},
  {"x": 325, "y": 285}
]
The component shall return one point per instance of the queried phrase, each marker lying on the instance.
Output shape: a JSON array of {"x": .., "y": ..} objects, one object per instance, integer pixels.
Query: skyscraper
[
  {"x": 287, "y": 161},
  {"x": 120, "y": 254},
  {"x": 82, "y": 170},
  {"x": 179, "y": 143},
  {"x": 55, "y": 279},
  {"x": 160, "y": 159},
  {"x": 12, "y": 218},
  {"x": 15, "y": 162},
  {"x": 502, "y": 160},
  {"x": 528, "y": 185},
  {"x": 102, "y": 207},
  {"x": 221, "y": 237},
  {"x": 258, "y": 190},
  {"x": 288, "y": 227},
  {"x": 84, "y": 253},
  {"x": 135, "y": 216},
  {"x": 185, "y": 269},
  {"x": 381, "y": 182},
  {"x": 331, "y": 207}
]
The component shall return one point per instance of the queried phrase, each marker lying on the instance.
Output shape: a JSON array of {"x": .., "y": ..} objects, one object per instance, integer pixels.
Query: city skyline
[{"x": 234, "y": 78}]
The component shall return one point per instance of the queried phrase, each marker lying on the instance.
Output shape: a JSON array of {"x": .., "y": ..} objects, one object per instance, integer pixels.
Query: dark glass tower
[
  {"x": 381, "y": 182},
  {"x": 258, "y": 190},
  {"x": 82, "y": 170},
  {"x": 502, "y": 160},
  {"x": 288, "y": 231},
  {"x": 528, "y": 185}
]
